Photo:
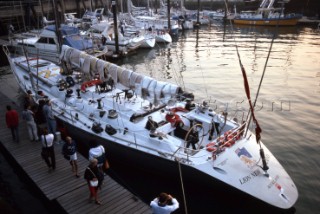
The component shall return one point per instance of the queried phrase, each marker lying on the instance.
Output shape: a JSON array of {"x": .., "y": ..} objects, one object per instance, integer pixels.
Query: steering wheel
[{"x": 190, "y": 130}]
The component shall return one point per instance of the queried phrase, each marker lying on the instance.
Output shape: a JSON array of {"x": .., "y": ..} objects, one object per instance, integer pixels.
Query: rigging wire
[
  {"x": 252, "y": 116},
  {"x": 263, "y": 73},
  {"x": 182, "y": 187},
  {"x": 204, "y": 82}
]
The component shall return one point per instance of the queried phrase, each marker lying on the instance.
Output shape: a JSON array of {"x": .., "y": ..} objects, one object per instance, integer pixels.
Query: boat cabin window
[
  {"x": 51, "y": 41},
  {"x": 46, "y": 40},
  {"x": 42, "y": 40}
]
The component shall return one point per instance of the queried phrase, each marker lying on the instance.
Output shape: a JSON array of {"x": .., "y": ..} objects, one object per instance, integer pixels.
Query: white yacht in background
[
  {"x": 104, "y": 32},
  {"x": 47, "y": 46}
]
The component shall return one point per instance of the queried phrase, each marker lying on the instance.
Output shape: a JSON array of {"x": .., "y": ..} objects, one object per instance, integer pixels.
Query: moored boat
[
  {"x": 105, "y": 32},
  {"x": 114, "y": 108},
  {"x": 267, "y": 15},
  {"x": 47, "y": 45}
]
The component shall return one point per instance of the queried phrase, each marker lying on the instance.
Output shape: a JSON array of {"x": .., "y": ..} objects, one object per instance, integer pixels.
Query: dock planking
[{"x": 60, "y": 185}]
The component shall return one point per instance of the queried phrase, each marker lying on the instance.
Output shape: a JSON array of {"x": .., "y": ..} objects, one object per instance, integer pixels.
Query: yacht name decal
[{"x": 250, "y": 176}]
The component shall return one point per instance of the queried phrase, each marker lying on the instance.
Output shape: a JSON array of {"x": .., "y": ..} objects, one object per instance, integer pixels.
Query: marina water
[{"x": 205, "y": 63}]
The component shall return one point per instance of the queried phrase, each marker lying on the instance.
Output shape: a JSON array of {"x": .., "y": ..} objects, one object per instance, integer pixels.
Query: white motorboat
[
  {"x": 105, "y": 31},
  {"x": 148, "y": 124},
  {"x": 149, "y": 40},
  {"x": 158, "y": 26},
  {"x": 217, "y": 15},
  {"x": 150, "y": 19},
  {"x": 160, "y": 32},
  {"x": 46, "y": 43}
]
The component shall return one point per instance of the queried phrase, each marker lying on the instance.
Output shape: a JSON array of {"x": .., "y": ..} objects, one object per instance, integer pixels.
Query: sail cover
[{"x": 148, "y": 88}]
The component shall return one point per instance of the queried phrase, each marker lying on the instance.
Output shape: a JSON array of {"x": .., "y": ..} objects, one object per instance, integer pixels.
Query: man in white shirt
[
  {"x": 48, "y": 149},
  {"x": 164, "y": 204},
  {"x": 98, "y": 152}
]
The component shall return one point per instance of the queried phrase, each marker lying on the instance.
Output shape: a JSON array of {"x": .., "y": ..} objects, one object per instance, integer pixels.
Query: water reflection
[
  {"x": 205, "y": 62},
  {"x": 267, "y": 30}
]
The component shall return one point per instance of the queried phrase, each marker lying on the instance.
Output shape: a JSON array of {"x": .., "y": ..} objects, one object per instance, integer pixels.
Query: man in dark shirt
[{"x": 151, "y": 124}]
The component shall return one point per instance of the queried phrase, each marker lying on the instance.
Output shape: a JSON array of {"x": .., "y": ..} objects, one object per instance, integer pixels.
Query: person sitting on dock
[{"x": 164, "y": 204}]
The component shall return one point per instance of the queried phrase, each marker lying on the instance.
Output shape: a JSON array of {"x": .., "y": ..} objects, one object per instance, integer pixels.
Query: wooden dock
[{"x": 61, "y": 186}]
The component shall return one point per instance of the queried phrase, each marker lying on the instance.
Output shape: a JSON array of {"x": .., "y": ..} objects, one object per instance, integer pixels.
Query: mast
[
  {"x": 226, "y": 9},
  {"x": 198, "y": 14},
  {"x": 168, "y": 14},
  {"x": 270, "y": 4},
  {"x": 156, "y": 6},
  {"x": 57, "y": 24},
  {"x": 115, "y": 24},
  {"x": 121, "y": 5},
  {"x": 29, "y": 69}
]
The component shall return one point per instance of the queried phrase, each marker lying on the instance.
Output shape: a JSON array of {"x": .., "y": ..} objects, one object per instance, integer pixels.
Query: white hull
[
  {"x": 163, "y": 37},
  {"x": 236, "y": 168},
  {"x": 149, "y": 41}
]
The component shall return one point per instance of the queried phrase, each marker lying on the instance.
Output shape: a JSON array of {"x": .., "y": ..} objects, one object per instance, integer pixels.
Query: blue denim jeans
[{"x": 52, "y": 126}]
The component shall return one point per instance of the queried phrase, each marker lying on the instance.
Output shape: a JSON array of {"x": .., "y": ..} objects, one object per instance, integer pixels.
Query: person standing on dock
[
  {"x": 51, "y": 121},
  {"x": 39, "y": 117},
  {"x": 12, "y": 120},
  {"x": 94, "y": 179},
  {"x": 28, "y": 116},
  {"x": 97, "y": 151},
  {"x": 164, "y": 204},
  {"x": 69, "y": 151},
  {"x": 28, "y": 99},
  {"x": 48, "y": 149}
]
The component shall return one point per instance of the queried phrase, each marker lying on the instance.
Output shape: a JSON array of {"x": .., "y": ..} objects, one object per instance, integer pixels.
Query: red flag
[{"x": 247, "y": 89}]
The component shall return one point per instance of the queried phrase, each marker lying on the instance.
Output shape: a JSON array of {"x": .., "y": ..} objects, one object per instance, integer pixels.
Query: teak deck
[{"x": 61, "y": 185}]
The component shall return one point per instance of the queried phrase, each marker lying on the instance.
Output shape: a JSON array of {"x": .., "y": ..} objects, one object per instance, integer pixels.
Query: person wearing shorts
[{"x": 69, "y": 151}]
